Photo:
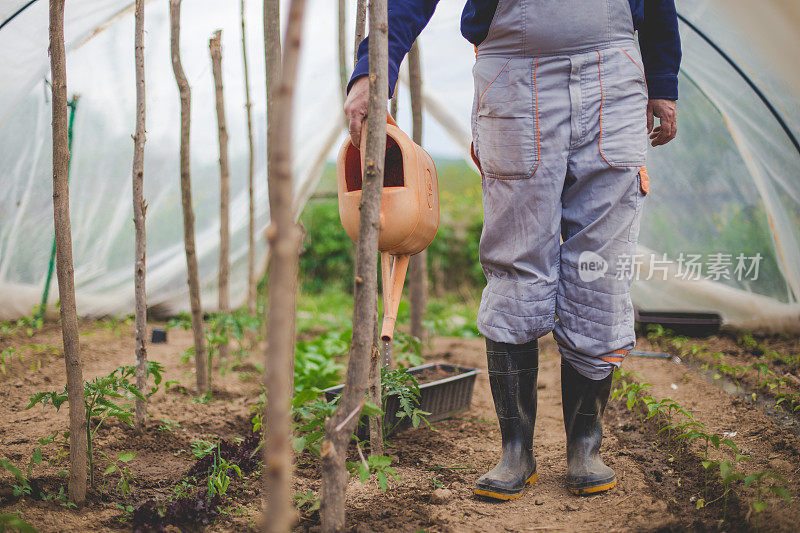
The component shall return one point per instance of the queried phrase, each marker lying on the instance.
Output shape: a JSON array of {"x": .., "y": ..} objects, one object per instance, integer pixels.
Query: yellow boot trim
[
  {"x": 593, "y": 490},
  {"x": 506, "y": 497}
]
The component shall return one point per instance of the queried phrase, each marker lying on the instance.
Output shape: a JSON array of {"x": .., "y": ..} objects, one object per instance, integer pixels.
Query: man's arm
[
  {"x": 406, "y": 19},
  {"x": 660, "y": 43}
]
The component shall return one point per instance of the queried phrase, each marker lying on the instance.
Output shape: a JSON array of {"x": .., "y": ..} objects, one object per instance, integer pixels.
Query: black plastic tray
[
  {"x": 442, "y": 398},
  {"x": 682, "y": 322}
]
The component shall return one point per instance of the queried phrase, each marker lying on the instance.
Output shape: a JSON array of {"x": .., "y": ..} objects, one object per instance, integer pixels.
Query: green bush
[{"x": 328, "y": 253}]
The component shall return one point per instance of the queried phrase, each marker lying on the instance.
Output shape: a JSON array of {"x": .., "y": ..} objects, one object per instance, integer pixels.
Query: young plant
[
  {"x": 761, "y": 369},
  {"x": 24, "y": 485},
  {"x": 168, "y": 425},
  {"x": 308, "y": 499},
  {"x": 402, "y": 385},
  {"x": 121, "y": 468},
  {"x": 13, "y": 522},
  {"x": 310, "y": 419},
  {"x": 201, "y": 448},
  {"x": 377, "y": 465},
  {"x": 766, "y": 483},
  {"x": 105, "y": 397},
  {"x": 219, "y": 479}
]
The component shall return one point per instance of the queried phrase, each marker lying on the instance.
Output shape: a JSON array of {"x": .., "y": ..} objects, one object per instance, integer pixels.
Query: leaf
[
  {"x": 16, "y": 472},
  {"x": 382, "y": 482},
  {"x": 110, "y": 470},
  {"x": 127, "y": 457},
  {"x": 370, "y": 409},
  {"x": 379, "y": 461},
  {"x": 782, "y": 492},
  {"x": 299, "y": 444},
  {"x": 700, "y": 503},
  {"x": 363, "y": 472}
]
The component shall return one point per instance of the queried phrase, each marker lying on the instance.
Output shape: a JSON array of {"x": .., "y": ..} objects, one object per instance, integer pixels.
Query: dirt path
[
  {"x": 473, "y": 441},
  {"x": 652, "y": 494}
]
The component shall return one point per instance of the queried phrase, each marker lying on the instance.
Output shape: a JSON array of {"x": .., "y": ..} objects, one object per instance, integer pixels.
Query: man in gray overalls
[{"x": 563, "y": 106}]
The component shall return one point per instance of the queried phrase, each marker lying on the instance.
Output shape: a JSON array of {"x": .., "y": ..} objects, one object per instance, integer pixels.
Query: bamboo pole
[
  {"x": 284, "y": 238},
  {"x": 200, "y": 358},
  {"x": 64, "y": 267},
  {"x": 248, "y": 106},
  {"x": 223, "y": 292},
  {"x": 418, "y": 279},
  {"x": 339, "y": 428},
  {"x": 139, "y": 211}
]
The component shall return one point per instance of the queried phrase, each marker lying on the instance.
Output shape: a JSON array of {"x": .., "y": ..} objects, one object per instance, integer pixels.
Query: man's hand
[
  {"x": 355, "y": 107},
  {"x": 667, "y": 113}
]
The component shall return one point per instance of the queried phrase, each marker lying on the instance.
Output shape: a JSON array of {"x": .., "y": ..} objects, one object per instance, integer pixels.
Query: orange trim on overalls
[
  {"x": 491, "y": 82},
  {"x": 644, "y": 181},
  {"x": 615, "y": 358}
]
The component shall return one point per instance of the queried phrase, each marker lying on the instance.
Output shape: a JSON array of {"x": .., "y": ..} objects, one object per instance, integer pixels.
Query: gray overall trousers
[{"x": 559, "y": 133}]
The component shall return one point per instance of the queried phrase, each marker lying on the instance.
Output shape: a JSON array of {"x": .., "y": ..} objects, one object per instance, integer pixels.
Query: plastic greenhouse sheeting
[{"x": 721, "y": 229}]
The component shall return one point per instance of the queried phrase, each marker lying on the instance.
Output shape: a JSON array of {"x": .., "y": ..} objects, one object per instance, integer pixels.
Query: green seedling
[
  {"x": 23, "y": 487},
  {"x": 219, "y": 479},
  {"x": 127, "y": 510},
  {"x": 378, "y": 465},
  {"x": 402, "y": 385},
  {"x": 734, "y": 372},
  {"x": 168, "y": 425},
  {"x": 120, "y": 467},
  {"x": 307, "y": 499},
  {"x": 104, "y": 397},
  {"x": 12, "y": 522},
  {"x": 766, "y": 483},
  {"x": 761, "y": 369},
  {"x": 201, "y": 448},
  {"x": 789, "y": 400}
]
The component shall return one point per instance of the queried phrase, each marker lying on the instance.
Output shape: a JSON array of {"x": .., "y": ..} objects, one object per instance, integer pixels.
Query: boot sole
[
  {"x": 505, "y": 496},
  {"x": 585, "y": 491}
]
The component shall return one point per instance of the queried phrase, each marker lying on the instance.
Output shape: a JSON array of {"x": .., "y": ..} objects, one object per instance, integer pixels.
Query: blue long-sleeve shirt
[{"x": 656, "y": 21}]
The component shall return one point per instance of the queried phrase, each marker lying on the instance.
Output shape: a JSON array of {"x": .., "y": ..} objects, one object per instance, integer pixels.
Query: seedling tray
[
  {"x": 443, "y": 398},
  {"x": 682, "y": 322}
]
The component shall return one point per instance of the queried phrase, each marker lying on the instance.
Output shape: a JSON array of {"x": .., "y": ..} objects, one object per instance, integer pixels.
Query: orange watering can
[{"x": 409, "y": 216}]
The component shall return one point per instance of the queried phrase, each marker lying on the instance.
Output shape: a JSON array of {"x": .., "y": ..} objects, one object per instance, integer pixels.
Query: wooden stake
[
  {"x": 64, "y": 267},
  {"x": 223, "y": 294},
  {"x": 393, "y": 103},
  {"x": 139, "y": 211},
  {"x": 343, "y": 70},
  {"x": 200, "y": 359},
  {"x": 361, "y": 27},
  {"x": 374, "y": 392},
  {"x": 284, "y": 238},
  {"x": 251, "y": 249},
  {"x": 334, "y": 448},
  {"x": 418, "y": 278}
]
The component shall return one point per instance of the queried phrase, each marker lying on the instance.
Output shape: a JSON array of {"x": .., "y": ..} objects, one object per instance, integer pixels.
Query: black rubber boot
[
  {"x": 584, "y": 402},
  {"x": 513, "y": 369}
]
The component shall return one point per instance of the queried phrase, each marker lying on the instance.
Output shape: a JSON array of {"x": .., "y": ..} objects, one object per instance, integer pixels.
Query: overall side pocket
[
  {"x": 623, "y": 109},
  {"x": 505, "y": 121}
]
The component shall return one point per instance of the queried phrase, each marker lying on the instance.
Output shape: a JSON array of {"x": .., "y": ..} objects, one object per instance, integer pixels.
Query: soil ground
[{"x": 657, "y": 491}]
